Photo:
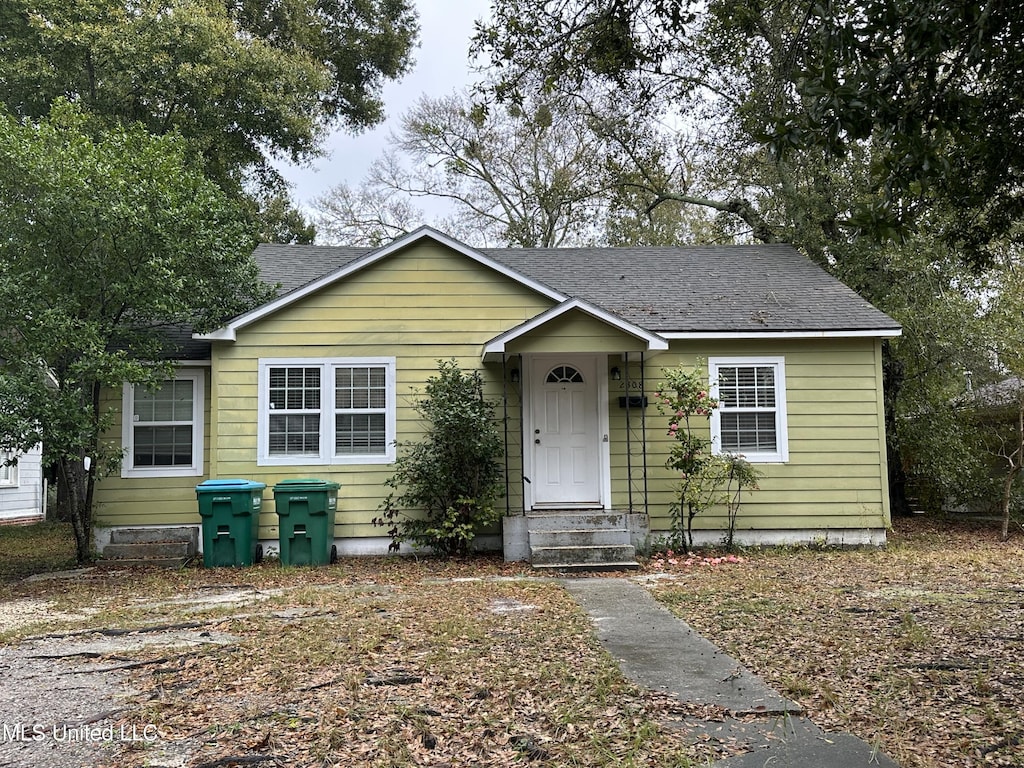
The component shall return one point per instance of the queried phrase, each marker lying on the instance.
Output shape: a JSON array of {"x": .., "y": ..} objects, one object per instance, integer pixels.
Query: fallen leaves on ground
[
  {"x": 36, "y": 548},
  {"x": 918, "y": 648},
  {"x": 425, "y": 672}
]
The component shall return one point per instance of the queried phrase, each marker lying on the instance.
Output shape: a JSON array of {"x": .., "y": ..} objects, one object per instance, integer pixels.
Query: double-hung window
[
  {"x": 162, "y": 427},
  {"x": 337, "y": 411},
  {"x": 8, "y": 471},
  {"x": 751, "y": 416}
]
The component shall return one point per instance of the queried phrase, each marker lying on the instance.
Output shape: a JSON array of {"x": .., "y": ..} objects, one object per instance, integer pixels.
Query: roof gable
[
  {"x": 291, "y": 267},
  {"x": 744, "y": 291}
]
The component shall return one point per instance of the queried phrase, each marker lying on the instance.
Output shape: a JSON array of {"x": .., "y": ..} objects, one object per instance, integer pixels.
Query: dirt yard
[{"x": 388, "y": 662}]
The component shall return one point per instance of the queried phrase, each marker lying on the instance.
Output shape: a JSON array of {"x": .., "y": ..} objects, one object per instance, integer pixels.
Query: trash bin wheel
[
  {"x": 259, "y": 554},
  {"x": 334, "y": 553}
]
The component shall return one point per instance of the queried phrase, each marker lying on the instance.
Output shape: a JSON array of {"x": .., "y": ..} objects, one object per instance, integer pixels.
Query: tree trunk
[
  {"x": 1016, "y": 460},
  {"x": 899, "y": 503},
  {"x": 77, "y": 482},
  {"x": 688, "y": 541},
  {"x": 1007, "y": 495},
  {"x": 63, "y": 510}
]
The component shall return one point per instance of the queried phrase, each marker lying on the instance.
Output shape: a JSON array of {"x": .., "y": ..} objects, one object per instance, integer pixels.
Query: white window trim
[
  {"x": 781, "y": 454},
  {"x": 326, "y": 455},
  {"x": 8, "y": 474},
  {"x": 198, "y": 379}
]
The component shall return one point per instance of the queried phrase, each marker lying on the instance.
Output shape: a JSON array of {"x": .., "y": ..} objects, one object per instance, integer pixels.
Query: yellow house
[{"x": 320, "y": 382}]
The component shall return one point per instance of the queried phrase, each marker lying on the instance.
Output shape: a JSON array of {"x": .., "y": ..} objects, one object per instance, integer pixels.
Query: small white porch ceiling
[{"x": 496, "y": 347}]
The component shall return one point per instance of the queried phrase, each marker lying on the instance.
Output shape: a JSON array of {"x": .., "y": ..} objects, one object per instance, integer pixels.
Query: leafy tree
[
  {"x": 675, "y": 94},
  {"x": 280, "y": 221},
  {"x": 997, "y": 411},
  {"x": 935, "y": 87},
  {"x": 931, "y": 88},
  {"x": 628, "y": 43},
  {"x": 108, "y": 243},
  {"x": 1003, "y": 410},
  {"x": 445, "y": 485},
  {"x": 242, "y": 82}
]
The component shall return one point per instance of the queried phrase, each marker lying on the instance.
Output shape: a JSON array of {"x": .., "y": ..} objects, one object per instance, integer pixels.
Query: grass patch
[{"x": 26, "y": 550}]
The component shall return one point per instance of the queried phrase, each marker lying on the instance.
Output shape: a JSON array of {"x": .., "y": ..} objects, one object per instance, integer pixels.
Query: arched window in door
[{"x": 564, "y": 374}]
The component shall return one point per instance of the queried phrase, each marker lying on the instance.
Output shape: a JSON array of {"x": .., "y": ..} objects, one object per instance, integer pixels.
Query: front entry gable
[{"x": 574, "y": 326}]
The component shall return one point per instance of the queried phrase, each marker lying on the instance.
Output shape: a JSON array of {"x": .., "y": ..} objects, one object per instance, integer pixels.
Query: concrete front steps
[
  {"x": 580, "y": 540},
  {"x": 159, "y": 547}
]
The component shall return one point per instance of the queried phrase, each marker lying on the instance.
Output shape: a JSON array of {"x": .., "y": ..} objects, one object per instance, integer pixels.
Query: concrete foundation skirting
[
  {"x": 808, "y": 537},
  {"x": 378, "y": 545},
  {"x": 515, "y": 538},
  {"x": 367, "y": 546},
  {"x": 102, "y": 536}
]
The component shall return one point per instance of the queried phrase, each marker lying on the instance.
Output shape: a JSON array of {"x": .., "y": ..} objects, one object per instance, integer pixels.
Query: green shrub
[
  {"x": 445, "y": 485},
  {"x": 705, "y": 479}
]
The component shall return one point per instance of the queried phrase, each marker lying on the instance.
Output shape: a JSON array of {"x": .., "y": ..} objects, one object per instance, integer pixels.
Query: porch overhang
[{"x": 517, "y": 340}]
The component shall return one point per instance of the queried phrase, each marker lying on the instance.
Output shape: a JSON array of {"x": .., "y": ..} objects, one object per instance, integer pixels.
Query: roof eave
[
  {"x": 885, "y": 333},
  {"x": 224, "y": 333}
]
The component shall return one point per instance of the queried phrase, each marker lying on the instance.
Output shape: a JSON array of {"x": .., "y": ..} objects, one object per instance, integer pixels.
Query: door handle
[{"x": 537, "y": 441}]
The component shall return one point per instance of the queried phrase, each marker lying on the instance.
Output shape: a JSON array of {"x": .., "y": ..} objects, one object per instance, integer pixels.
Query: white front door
[{"x": 565, "y": 432}]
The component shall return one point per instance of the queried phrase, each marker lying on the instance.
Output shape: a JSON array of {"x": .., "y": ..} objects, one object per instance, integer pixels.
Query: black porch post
[
  {"x": 629, "y": 433},
  {"x": 504, "y": 421}
]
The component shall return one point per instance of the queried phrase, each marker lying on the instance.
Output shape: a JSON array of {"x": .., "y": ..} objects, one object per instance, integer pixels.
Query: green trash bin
[
  {"x": 231, "y": 519},
  {"x": 306, "y": 510}
]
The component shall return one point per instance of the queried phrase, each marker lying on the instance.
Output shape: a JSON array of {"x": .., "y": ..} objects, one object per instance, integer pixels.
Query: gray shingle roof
[
  {"x": 1001, "y": 394},
  {"x": 721, "y": 289},
  {"x": 183, "y": 346},
  {"x": 295, "y": 265},
  {"x": 751, "y": 288}
]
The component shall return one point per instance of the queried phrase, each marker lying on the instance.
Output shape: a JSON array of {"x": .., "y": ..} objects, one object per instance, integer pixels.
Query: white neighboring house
[{"x": 21, "y": 488}]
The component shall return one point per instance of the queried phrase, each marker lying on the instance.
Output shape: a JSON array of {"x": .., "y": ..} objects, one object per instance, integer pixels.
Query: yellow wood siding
[
  {"x": 150, "y": 500},
  {"x": 421, "y": 305},
  {"x": 836, "y": 474},
  {"x": 574, "y": 332},
  {"x": 428, "y": 303}
]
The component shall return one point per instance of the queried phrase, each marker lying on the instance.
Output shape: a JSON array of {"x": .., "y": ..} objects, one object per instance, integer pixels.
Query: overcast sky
[{"x": 441, "y": 66}]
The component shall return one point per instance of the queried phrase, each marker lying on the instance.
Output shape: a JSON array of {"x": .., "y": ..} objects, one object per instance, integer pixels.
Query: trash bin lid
[
  {"x": 232, "y": 484},
  {"x": 306, "y": 484}
]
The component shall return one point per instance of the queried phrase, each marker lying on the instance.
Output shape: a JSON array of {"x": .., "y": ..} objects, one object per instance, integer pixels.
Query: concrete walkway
[{"x": 662, "y": 653}]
